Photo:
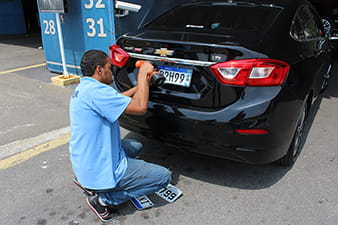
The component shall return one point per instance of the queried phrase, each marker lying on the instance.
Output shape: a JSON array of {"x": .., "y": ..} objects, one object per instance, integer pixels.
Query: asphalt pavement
[{"x": 36, "y": 176}]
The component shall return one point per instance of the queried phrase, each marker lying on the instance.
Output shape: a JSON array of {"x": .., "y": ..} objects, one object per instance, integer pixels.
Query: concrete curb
[{"x": 23, "y": 145}]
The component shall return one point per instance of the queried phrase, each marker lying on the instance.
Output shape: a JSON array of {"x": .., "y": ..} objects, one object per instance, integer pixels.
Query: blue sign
[{"x": 88, "y": 24}]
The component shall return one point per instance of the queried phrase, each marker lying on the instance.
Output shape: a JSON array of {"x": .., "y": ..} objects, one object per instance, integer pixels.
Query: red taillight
[
  {"x": 118, "y": 56},
  {"x": 251, "y": 72},
  {"x": 252, "y": 131}
]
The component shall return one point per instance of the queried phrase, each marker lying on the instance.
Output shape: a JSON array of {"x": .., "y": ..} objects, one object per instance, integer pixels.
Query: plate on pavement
[
  {"x": 169, "y": 193},
  {"x": 142, "y": 202}
]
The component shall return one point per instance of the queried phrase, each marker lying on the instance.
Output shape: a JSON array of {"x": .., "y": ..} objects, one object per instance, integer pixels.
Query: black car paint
[{"x": 201, "y": 119}]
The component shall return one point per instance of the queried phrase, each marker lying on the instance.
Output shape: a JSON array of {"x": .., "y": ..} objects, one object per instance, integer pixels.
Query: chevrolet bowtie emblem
[{"x": 164, "y": 52}]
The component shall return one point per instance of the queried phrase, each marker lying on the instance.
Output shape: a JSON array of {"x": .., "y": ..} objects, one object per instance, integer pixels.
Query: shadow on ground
[{"x": 32, "y": 40}]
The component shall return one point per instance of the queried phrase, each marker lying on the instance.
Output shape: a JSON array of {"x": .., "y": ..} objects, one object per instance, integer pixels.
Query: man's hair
[{"x": 91, "y": 59}]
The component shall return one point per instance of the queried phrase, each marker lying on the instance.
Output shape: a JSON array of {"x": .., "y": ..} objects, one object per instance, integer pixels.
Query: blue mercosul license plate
[
  {"x": 176, "y": 76},
  {"x": 142, "y": 203}
]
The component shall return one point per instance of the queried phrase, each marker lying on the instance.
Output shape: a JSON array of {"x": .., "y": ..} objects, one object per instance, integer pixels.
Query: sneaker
[{"x": 100, "y": 211}]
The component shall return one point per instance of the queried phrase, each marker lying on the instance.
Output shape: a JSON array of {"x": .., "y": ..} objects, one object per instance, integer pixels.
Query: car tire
[{"x": 296, "y": 143}]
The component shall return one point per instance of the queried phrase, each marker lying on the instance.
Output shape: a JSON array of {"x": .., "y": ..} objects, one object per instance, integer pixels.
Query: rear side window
[
  {"x": 217, "y": 18},
  {"x": 304, "y": 26}
]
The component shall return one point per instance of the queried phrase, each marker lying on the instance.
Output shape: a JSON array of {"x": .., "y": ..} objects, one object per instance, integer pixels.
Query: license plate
[
  {"x": 169, "y": 193},
  {"x": 176, "y": 76},
  {"x": 142, "y": 203}
]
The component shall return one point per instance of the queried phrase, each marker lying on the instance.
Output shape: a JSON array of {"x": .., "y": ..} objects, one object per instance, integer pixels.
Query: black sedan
[
  {"x": 328, "y": 11},
  {"x": 241, "y": 77}
]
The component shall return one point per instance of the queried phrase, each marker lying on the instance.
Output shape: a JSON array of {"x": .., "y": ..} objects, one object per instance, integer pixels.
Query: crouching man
[{"x": 101, "y": 161}]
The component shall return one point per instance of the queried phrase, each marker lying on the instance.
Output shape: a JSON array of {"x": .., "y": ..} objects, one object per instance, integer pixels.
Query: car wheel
[
  {"x": 296, "y": 142},
  {"x": 327, "y": 25}
]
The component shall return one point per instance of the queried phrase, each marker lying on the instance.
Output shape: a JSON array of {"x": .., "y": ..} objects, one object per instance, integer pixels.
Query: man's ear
[{"x": 98, "y": 70}]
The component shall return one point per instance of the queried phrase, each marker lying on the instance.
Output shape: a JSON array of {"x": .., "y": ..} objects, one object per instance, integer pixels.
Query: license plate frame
[{"x": 179, "y": 76}]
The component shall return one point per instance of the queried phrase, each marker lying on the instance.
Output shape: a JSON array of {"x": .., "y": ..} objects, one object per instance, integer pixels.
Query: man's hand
[{"x": 145, "y": 70}]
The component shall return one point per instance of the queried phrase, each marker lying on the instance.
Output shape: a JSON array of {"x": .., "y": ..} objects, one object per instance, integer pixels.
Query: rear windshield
[{"x": 217, "y": 18}]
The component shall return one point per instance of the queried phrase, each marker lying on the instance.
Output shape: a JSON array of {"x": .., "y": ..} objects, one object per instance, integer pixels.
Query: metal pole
[{"x": 63, "y": 59}]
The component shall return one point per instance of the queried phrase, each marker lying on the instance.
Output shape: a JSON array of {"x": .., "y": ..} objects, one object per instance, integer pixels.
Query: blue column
[{"x": 12, "y": 19}]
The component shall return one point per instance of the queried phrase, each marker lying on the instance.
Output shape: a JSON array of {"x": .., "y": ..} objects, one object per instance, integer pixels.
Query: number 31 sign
[{"x": 95, "y": 25}]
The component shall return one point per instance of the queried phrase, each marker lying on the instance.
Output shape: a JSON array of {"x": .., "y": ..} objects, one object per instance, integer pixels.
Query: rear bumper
[
  {"x": 218, "y": 140},
  {"x": 213, "y": 133}
]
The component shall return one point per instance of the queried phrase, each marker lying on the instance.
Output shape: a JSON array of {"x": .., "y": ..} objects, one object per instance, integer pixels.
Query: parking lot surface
[{"x": 38, "y": 189}]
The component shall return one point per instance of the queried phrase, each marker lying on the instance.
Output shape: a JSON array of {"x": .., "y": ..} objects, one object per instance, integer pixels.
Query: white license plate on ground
[
  {"x": 169, "y": 193},
  {"x": 176, "y": 76},
  {"x": 142, "y": 203}
]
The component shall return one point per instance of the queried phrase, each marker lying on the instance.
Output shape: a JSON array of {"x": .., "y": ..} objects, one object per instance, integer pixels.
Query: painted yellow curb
[
  {"x": 22, "y": 68},
  {"x": 30, "y": 153},
  {"x": 64, "y": 81}
]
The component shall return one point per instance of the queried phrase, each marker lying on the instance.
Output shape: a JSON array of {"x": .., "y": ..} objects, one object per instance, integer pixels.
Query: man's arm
[
  {"x": 130, "y": 92},
  {"x": 139, "y": 99}
]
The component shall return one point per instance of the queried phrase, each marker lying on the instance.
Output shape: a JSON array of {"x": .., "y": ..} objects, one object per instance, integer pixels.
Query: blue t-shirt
[{"x": 97, "y": 157}]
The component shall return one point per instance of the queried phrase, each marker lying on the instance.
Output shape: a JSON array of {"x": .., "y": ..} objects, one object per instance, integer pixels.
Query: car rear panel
[{"x": 207, "y": 110}]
